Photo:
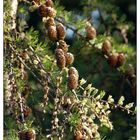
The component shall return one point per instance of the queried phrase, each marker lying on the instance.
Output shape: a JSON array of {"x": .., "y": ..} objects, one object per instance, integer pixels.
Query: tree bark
[{"x": 14, "y": 5}]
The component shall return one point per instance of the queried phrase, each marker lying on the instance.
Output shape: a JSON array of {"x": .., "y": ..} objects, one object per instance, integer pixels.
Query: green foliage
[{"x": 103, "y": 109}]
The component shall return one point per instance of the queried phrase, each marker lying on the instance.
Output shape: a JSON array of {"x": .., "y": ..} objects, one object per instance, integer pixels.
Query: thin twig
[
  {"x": 104, "y": 101},
  {"x": 38, "y": 59},
  {"x": 26, "y": 65},
  {"x": 118, "y": 106},
  {"x": 21, "y": 107},
  {"x": 114, "y": 105},
  {"x": 76, "y": 32},
  {"x": 48, "y": 77}
]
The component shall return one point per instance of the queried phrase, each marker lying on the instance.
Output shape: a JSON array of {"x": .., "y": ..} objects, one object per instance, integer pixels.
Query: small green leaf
[
  {"x": 128, "y": 106},
  {"x": 121, "y": 100},
  {"x": 110, "y": 99},
  {"x": 102, "y": 94},
  {"x": 82, "y": 81}
]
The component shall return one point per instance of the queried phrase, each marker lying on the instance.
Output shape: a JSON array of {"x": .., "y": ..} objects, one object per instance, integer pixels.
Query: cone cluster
[
  {"x": 114, "y": 59},
  {"x": 63, "y": 57},
  {"x": 47, "y": 10},
  {"x": 55, "y": 32}
]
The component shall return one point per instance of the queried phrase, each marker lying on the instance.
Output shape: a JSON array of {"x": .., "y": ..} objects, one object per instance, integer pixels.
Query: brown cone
[
  {"x": 49, "y": 3},
  {"x": 42, "y": 10},
  {"x": 72, "y": 81},
  {"x": 62, "y": 45},
  {"x": 52, "y": 33},
  {"x": 50, "y": 12},
  {"x": 113, "y": 59},
  {"x": 69, "y": 58},
  {"x": 121, "y": 59},
  {"x": 73, "y": 70},
  {"x": 91, "y": 32},
  {"x": 60, "y": 58},
  {"x": 50, "y": 22},
  {"x": 106, "y": 47},
  {"x": 60, "y": 31}
]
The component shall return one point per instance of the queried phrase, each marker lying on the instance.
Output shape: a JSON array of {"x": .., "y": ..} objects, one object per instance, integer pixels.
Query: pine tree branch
[{"x": 76, "y": 32}]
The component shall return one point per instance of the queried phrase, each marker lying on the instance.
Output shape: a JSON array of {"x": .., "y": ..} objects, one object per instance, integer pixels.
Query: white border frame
[
  {"x": 138, "y": 68},
  {"x": 1, "y": 69}
]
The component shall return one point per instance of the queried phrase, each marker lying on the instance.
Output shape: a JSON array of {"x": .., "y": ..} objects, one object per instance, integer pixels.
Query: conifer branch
[
  {"x": 28, "y": 68},
  {"x": 76, "y": 32}
]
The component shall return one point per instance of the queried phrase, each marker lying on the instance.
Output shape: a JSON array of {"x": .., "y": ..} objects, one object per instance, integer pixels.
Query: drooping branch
[{"x": 114, "y": 106}]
